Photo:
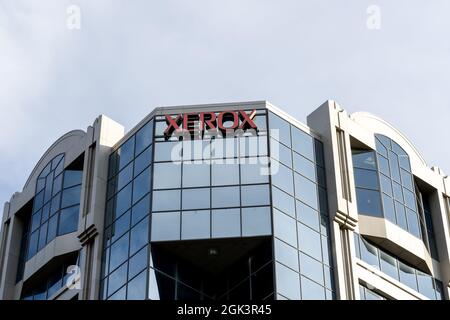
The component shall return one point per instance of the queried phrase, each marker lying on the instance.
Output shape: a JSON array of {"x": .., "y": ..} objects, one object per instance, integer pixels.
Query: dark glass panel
[
  {"x": 141, "y": 185},
  {"x": 71, "y": 196},
  {"x": 68, "y": 220},
  {"x": 369, "y": 202},
  {"x": 72, "y": 178},
  {"x": 144, "y": 137}
]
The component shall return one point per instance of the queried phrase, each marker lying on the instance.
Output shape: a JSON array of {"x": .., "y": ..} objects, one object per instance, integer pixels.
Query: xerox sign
[{"x": 196, "y": 123}]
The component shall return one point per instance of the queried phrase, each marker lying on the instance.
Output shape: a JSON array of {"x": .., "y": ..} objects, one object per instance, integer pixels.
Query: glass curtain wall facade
[
  {"x": 213, "y": 194},
  {"x": 300, "y": 214}
]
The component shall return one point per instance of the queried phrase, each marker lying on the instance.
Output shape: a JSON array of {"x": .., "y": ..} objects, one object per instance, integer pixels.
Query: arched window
[{"x": 56, "y": 204}]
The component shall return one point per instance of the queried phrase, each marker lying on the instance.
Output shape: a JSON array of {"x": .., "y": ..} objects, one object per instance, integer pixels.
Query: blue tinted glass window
[
  {"x": 196, "y": 198},
  {"x": 167, "y": 175},
  {"x": 224, "y": 148},
  {"x": 168, "y": 151},
  {"x": 306, "y": 191},
  {"x": 119, "y": 295},
  {"x": 138, "y": 262},
  {"x": 413, "y": 223},
  {"x": 369, "y": 202},
  {"x": 225, "y": 197},
  {"x": 279, "y": 129},
  {"x": 226, "y": 223},
  {"x": 307, "y": 215},
  {"x": 252, "y": 146},
  {"x": 256, "y": 221},
  {"x": 369, "y": 254},
  {"x": 404, "y": 162},
  {"x": 142, "y": 161},
  {"x": 389, "y": 265},
  {"x": 311, "y": 290},
  {"x": 383, "y": 163},
  {"x": 124, "y": 176},
  {"x": 281, "y": 153},
  {"x": 57, "y": 184},
  {"x": 410, "y": 199},
  {"x": 195, "y": 224},
  {"x": 284, "y": 227},
  {"x": 366, "y": 179},
  {"x": 123, "y": 200},
  {"x": 144, "y": 137},
  {"x": 364, "y": 159},
  {"x": 42, "y": 236},
  {"x": 68, "y": 220},
  {"x": 32, "y": 244},
  {"x": 137, "y": 287},
  {"x": 141, "y": 185},
  {"x": 71, "y": 196},
  {"x": 408, "y": 276},
  {"x": 225, "y": 173},
  {"x": 119, "y": 252},
  {"x": 283, "y": 201},
  {"x": 311, "y": 268},
  {"x": 386, "y": 185},
  {"x": 120, "y": 226},
  {"x": 196, "y": 149},
  {"x": 140, "y": 209},
  {"x": 407, "y": 180},
  {"x": 309, "y": 241},
  {"x": 166, "y": 200},
  {"x": 72, "y": 178},
  {"x": 302, "y": 143},
  {"x": 56, "y": 201},
  {"x": 320, "y": 157},
  {"x": 196, "y": 174},
  {"x": 254, "y": 170},
  {"x": 286, "y": 254},
  {"x": 52, "y": 228},
  {"x": 426, "y": 286},
  {"x": 125, "y": 153},
  {"x": 398, "y": 192},
  {"x": 389, "y": 211},
  {"x": 401, "y": 215},
  {"x": 395, "y": 170},
  {"x": 304, "y": 166},
  {"x": 255, "y": 195},
  {"x": 165, "y": 226},
  {"x": 139, "y": 236},
  {"x": 288, "y": 282},
  {"x": 117, "y": 279},
  {"x": 282, "y": 177}
]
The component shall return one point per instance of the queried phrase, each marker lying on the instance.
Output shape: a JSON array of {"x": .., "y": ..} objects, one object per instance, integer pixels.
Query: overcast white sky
[{"x": 131, "y": 56}]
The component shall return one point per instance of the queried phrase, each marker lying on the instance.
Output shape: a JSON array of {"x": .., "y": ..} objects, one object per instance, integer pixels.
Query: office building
[{"x": 230, "y": 201}]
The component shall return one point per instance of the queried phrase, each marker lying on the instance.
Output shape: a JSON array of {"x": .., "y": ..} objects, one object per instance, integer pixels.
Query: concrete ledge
[
  {"x": 396, "y": 240},
  {"x": 57, "y": 247}
]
